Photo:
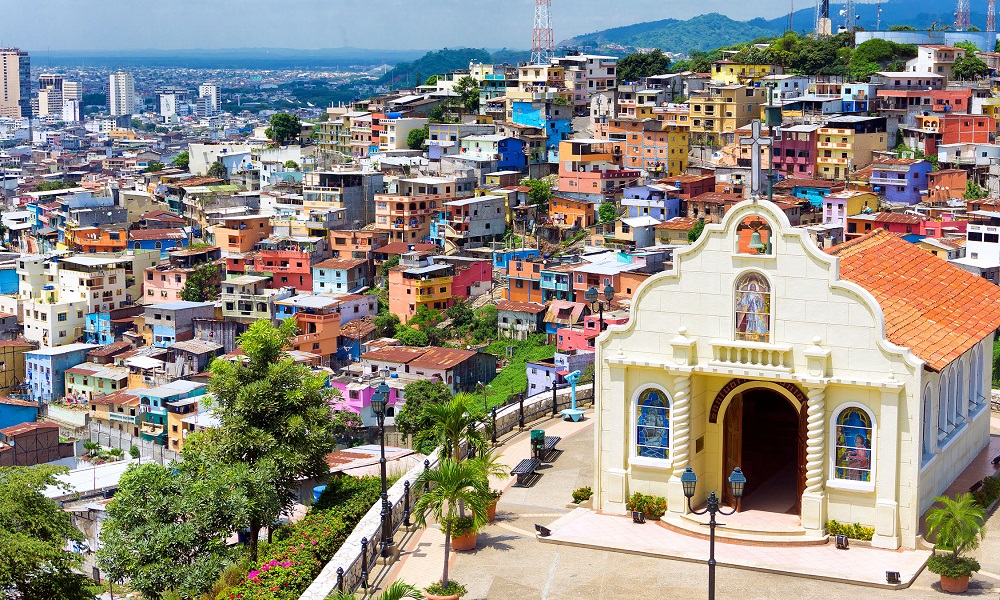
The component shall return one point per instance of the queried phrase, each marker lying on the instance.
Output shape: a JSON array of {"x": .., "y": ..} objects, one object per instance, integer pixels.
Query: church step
[{"x": 688, "y": 526}]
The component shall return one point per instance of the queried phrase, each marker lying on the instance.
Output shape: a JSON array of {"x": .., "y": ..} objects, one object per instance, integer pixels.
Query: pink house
[
  {"x": 943, "y": 227},
  {"x": 569, "y": 339},
  {"x": 356, "y": 397}
]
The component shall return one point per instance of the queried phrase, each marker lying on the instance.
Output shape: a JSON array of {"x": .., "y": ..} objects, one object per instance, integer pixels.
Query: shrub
[
  {"x": 651, "y": 506},
  {"x": 856, "y": 531},
  {"x": 454, "y": 588},
  {"x": 943, "y": 565},
  {"x": 988, "y": 493},
  {"x": 582, "y": 495},
  {"x": 461, "y": 526}
]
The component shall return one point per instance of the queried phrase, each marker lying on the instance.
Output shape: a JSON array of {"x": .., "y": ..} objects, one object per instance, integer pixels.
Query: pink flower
[{"x": 314, "y": 542}]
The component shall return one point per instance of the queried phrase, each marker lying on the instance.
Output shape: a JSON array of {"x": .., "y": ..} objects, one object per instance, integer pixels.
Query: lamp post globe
[
  {"x": 590, "y": 295},
  {"x": 609, "y": 292}
]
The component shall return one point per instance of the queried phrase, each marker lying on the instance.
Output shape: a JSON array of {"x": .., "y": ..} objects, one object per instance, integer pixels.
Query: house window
[
  {"x": 753, "y": 308},
  {"x": 853, "y": 449},
  {"x": 652, "y": 425}
]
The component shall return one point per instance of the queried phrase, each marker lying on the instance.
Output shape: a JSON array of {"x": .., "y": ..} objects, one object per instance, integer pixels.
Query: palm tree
[
  {"x": 454, "y": 423},
  {"x": 957, "y": 525},
  {"x": 451, "y": 483},
  {"x": 397, "y": 591}
]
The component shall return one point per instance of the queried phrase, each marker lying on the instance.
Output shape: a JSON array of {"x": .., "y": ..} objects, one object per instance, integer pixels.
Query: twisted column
[
  {"x": 816, "y": 439},
  {"x": 681, "y": 420}
]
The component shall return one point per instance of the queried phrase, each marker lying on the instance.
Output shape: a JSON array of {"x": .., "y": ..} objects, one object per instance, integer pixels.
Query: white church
[{"x": 848, "y": 384}]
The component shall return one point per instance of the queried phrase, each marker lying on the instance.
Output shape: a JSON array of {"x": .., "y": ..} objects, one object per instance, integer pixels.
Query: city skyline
[{"x": 228, "y": 24}]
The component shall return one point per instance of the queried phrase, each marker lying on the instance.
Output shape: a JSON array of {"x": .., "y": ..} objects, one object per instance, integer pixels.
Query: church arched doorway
[{"x": 764, "y": 435}]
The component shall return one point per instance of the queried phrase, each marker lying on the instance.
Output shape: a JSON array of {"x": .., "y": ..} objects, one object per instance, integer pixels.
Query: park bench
[
  {"x": 545, "y": 450},
  {"x": 526, "y": 471},
  {"x": 975, "y": 486}
]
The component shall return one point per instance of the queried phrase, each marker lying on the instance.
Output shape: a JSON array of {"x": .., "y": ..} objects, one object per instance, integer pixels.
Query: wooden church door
[
  {"x": 800, "y": 483},
  {"x": 733, "y": 445}
]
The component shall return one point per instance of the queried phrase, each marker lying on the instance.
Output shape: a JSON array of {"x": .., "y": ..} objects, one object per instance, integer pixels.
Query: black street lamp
[
  {"x": 689, "y": 481},
  {"x": 379, "y": 399},
  {"x": 595, "y": 304}
]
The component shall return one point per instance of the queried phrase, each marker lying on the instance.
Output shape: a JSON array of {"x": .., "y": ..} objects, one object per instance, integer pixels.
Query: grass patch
[{"x": 513, "y": 378}]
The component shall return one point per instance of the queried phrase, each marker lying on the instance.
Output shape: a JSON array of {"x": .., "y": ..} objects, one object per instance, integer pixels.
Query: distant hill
[
  {"x": 710, "y": 31},
  {"x": 405, "y": 74},
  {"x": 229, "y": 58}
]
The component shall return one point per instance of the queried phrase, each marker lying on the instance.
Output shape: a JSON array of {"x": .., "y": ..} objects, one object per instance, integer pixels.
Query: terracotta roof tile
[
  {"x": 26, "y": 427},
  {"x": 679, "y": 223},
  {"x": 527, "y": 307},
  {"x": 935, "y": 309}
]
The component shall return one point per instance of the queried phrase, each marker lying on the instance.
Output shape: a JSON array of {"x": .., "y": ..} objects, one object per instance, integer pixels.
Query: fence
[
  {"x": 112, "y": 438},
  {"x": 355, "y": 565}
]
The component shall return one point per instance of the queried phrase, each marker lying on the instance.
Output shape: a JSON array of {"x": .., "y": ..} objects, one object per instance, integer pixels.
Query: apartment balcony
[
  {"x": 752, "y": 355},
  {"x": 833, "y": 145},
  {"x": 887, "y": 181},
  {"x": 123, "y": 418},
  {"x": 831, "y": 160},
  {"x": 152, "y": 429}
]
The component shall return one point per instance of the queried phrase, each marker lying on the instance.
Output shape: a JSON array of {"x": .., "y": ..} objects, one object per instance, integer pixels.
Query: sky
[{"x": 312, "y": 24}]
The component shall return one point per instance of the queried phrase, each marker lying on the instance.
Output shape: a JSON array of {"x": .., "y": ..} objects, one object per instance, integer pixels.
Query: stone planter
[
  {"x": 464, "y": 543},
  {"x": 955, "y": 585},
  {"x": 430, "y": 596}
]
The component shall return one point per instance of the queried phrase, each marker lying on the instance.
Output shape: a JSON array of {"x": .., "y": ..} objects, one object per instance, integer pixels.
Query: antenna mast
[{"x": 542, "y": 40}]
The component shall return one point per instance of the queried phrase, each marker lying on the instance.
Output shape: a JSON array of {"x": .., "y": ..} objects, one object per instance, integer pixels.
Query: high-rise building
[
  {"x": 121, "y": 93},
  {"x": 72, "y": 90},
  {"x": 211, "y": 91},
  {"x": 50, "y": 95},
  {"x": 15, "y": 83}
]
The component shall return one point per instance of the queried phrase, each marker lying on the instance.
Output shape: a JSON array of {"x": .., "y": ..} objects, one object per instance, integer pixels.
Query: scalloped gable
[{"x": 935, "y": 309}]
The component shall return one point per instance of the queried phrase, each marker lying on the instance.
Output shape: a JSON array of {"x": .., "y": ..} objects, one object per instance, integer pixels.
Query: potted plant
[
  {"x": 489, "y": 465},
  {"x": 582, "y": 495},
  {"x": 653, "y": 507},
  {"x": 438, "y": 591},
  {"x": 451, "y": 482},
  {"x": 463, "y": 533},
  {"x": 491, "y": 510},
  {"x": 957, "y": 526},
  {"x": 397, "y": 591}
]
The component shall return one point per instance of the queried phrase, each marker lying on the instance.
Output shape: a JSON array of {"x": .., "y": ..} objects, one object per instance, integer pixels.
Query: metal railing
[{"x": 355, "y": 565}]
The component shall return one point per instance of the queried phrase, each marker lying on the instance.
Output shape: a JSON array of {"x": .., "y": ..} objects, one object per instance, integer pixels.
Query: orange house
[
  {"x": 411, "y": 287},
  {"x": 236, "y": 235},
  {"x": 566, "y": 212},
  {"x": 95, "y": 239},
  {"x": 524, "y": 281},
  {"x": 318, "y": 322}
]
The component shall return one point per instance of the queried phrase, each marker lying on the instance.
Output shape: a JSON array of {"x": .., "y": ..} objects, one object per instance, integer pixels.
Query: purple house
[
  {"x": 900, "y": 180},
  {"x": 356, "y": 396}
]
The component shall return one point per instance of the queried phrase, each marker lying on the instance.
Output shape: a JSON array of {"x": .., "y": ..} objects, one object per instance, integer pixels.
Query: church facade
[{"x": 850, "y": 384}]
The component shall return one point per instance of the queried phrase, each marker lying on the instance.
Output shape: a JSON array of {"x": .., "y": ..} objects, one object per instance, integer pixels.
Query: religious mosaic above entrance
[{"x": 753, "y": 308}]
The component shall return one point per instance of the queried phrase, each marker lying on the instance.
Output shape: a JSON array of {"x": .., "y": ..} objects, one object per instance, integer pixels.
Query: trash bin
[
  {"x": 317, "y": 492},
  {"x": 537, "y": 442}
]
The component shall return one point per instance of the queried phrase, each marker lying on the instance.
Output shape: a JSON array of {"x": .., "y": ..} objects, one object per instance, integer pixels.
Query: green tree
[
  {"x": 873, "y": 55},
  {"x": 202, "y": 284},
  {"x": 436, "y": 114},
  {"x": 956, "y": 525},
  {"x": 452, "y": 483},
  {"x": 416, "y": 138},
  {"x": 154, "y": 167},
  {"x": 467, "y": 89},
  {"x": 34, "y": 532},
  {"x": 346, "y": 424},
  {"x": 410, "y": 336},
  {"x": 218, "y": 170},
  {"x": 432, "y": 80},
  {"x": 637, "y": 65},
  {"x": 607, "y": 212},
  {"x": 902, "y": 28},
  {"x": 540, "y": 193},
  {"x": 291, "y": 164},
  {"x": 973, "y": 191},
  {"x": 135, "y": 124},
  {"x": 412, "y": 420},
  {"x": 968, "y": 68},
  {"x": 134, "y": 451},
  {"x": 386, "y": 325},
  {"x": 51, "y": 186},
  {"x": 426, "y": 318},
  {"x": 391, "y": 263},
  {"x": 454, "y": 422},
  {"x": 460, "y": 313},
  {"x": 274, "y": 417},
  {"x": 182, "y": 159},
  {"x": 285, "y": 128},
  {"x": 180, "y": 517},
  {"x": 695, "y": 232},
  {"x": 970, "y": 48}
]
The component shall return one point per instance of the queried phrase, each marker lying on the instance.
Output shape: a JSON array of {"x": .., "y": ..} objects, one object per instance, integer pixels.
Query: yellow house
[
  {"x": 538, "y": 82},
  {"x": 732, "y": 73},
  {"x": 841, "y": 150},
  {"x": 718, "y": 111}
]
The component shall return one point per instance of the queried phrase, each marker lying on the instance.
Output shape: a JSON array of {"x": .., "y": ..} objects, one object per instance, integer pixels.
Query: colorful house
[
  {"x": 900, "y": 180},
  {"x": 340, "y": 275},
  {"x": 318, "y": 321},
  {"x": 157, "y": 239},
  {"x": 153, "y": 406},
  {"x": 415, "y": 283}
]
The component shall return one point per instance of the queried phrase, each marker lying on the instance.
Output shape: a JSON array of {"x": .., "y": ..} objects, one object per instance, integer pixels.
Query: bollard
[
  {"x": 520, "y": 411},
  {"x": 340, "y": 579},
  {"x": 494, "y": 432},
  {"x": 364, "y": 563},
  {"x": 406, "y": 504},
  {"x": 427, "y": 465},
  {"x": 555, "y": 406}
]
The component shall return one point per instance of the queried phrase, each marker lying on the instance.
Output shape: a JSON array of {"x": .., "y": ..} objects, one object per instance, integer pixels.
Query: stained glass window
[
  {"x": 653, "y": 425},
  {"x": 753, "y": 308},
  {"x": 854, "y": 445}
]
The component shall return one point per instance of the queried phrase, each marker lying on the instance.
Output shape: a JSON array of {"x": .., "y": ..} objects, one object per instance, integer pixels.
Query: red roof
[
  {"x": 16, "y": 402},
  {"x": 26, "y": 427},
  {"x": 339, "y": 263},
  {"x": 525, "y": 307},
  {"x": 403, "y": 248},
  {"x": 679, "y": 223},
  {"x": 935, "y": 309},
  {"x": 441, "y": 358},
  {"x": 891, "y": 217}
]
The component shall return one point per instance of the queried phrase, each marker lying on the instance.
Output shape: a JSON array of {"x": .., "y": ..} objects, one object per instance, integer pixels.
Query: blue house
[
  {"x": 502, "y": 257},
  {"x": 658, "y": 201},
  {"x": 900, "y": 180},
  {"x": 508, "y": 151},
  {"x": 44, "y": 369},
  {"x": 813, "y": 190},
  {"x": 14, "y": 412},
  {"x": 174, "y": 321},
  {"x": 157, "y": 239},
  {"x": 155, "y": 403},
  {"x": 8, "y": 280},
  {"x": 554, "y": 119}
]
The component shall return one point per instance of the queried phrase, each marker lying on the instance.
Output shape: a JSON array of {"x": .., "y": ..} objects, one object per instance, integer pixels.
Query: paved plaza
[{"x": 511, "y": 562}]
